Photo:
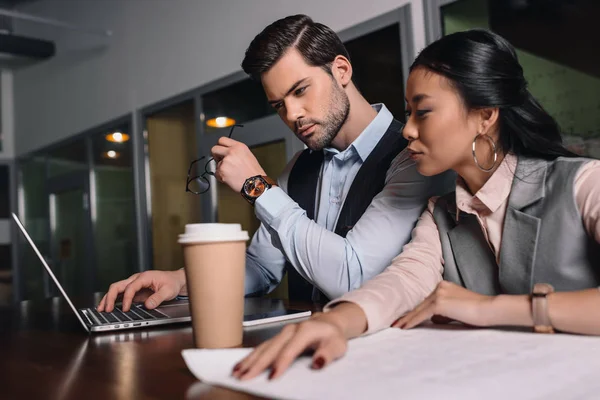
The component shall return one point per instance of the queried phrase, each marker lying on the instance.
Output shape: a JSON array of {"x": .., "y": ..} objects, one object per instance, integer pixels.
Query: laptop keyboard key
[
  {"x": 144, "y": 313},
  {"x": 109, "y": 317},
  {"x": 133, "y": 315},
  {"x": 121, "y": 316},
  {"x": 156, "y": 314},
  {"x": 99, "y": 317}
]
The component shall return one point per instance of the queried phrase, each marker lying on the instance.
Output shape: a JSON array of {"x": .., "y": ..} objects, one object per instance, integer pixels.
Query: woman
[{"x": 525, "y": 215}]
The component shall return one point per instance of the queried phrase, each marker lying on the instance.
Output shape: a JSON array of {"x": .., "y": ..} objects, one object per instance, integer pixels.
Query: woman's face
[{"x": 439, "y": 126}]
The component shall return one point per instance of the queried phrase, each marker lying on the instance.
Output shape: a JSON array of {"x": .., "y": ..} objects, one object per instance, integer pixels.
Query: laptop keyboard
[{"x": 118, "y": 315}]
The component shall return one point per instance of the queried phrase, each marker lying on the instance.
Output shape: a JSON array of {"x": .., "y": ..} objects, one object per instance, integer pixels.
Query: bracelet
[{"x": 539, "y": 308}]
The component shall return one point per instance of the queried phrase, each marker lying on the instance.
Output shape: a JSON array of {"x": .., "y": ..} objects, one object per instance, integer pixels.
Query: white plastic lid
[{"x": 208, "y": 233}]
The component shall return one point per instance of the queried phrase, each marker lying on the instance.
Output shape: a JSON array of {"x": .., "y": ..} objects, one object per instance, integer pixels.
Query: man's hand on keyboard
[{"x": 151, "y": 287}]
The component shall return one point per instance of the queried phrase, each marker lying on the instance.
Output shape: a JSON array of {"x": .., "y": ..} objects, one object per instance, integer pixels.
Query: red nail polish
[
  {"x": 271, "y": 374},
  {"x": 318, "y": 363}
]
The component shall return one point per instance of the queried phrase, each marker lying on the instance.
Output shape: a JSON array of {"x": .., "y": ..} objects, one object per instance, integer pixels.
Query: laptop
[{"x": 176, "y": 311}]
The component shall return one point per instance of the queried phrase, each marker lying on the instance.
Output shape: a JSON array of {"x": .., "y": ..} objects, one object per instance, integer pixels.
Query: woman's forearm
[
  {"x": 575, "y": 312},
  {"x": 349, "y": 318}
]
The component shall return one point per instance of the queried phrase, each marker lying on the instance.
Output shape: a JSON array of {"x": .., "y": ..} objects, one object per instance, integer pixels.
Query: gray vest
[{"x": 543, "y": 238}]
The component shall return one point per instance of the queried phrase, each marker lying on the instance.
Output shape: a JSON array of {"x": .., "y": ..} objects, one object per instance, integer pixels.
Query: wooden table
[{"x": 46, "y": 354}]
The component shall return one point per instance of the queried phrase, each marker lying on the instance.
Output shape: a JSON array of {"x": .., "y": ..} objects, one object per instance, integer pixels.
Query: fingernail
[
  {"x": 272, "y": 374},
  {"x": 152, "y": 303},
  {"x": 236, "y": 368},
  {"x": 318, "y": 363}
]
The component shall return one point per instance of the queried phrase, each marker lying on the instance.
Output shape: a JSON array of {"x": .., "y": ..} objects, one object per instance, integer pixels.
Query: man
[{"x": 344, "y": 207}]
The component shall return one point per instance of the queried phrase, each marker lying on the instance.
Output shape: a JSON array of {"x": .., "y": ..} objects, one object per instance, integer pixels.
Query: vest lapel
[
  {"x": 369, "y": 181},
  {"x": 521, "y": 230},
  {"x": 302, "y": 187},
  {"x": 472, "y": 255},
  {"x": 303, "y": 179},
  {"x": 370, "y": 178}
]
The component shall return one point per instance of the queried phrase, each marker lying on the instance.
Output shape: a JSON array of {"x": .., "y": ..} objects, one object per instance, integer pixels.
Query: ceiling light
[
  {"x": 117, "y": 137},
  {"x": 220, "y": 122},
  {"x": 111, "y": 154}
]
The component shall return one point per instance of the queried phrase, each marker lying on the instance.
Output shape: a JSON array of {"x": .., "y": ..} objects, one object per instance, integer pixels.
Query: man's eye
[
  {"x": 277, "y": 106},
  {"x": 299, "y": 91}
]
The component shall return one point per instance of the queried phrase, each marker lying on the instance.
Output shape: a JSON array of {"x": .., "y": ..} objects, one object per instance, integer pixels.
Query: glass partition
[
  {"x": 171, "y": 146},
  {"x": 34, "y": 214},
  {"x": 113, "y": 211},
  {"x": 377, "y": 67},
  {"x": 562, "y": 70}
]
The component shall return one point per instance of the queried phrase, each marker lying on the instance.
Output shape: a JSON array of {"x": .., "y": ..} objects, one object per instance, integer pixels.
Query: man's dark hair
[{"x": 317, "y": 44}]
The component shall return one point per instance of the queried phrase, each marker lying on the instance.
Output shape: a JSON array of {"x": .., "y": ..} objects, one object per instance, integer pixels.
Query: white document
[{"x": 428, "y": 363}]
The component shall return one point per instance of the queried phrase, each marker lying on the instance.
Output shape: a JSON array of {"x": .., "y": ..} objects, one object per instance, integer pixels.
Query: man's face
[{"x": 308, "y": 99}]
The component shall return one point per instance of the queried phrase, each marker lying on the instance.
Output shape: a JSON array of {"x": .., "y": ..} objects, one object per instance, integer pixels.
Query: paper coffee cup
[
  {"x": 210, "y": 233},
  {"x": 215, "y": 260}
]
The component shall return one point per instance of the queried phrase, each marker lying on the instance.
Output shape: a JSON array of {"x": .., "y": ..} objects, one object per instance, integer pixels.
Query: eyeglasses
[{"x": 199, "y": 184}]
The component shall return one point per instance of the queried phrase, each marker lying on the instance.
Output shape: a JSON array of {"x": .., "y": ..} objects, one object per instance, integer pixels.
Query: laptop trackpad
[{"x": 175, "y": 310}]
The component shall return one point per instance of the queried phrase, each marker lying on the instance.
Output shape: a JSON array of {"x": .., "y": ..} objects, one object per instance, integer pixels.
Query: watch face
[{"x": 254, "y": 187}]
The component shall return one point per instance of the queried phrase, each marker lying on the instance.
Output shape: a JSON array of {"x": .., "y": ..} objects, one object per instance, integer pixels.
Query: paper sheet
[{"x": 428, "y": 363}]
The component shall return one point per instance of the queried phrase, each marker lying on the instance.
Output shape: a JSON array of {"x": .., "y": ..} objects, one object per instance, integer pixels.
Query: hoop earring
[{"x": 490, "y": 169}]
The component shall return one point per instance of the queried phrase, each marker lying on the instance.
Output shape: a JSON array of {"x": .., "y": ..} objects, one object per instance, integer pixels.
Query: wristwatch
[
  {"x": 255, "y": 186},
  {"x": 539, "y": 308}
]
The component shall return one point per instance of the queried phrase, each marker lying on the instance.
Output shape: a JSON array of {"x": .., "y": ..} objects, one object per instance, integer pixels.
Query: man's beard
[{"x": 327, "y": 130}]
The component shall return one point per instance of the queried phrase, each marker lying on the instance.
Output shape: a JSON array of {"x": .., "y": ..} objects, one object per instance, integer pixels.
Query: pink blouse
[{"x": 416, "y": 272}]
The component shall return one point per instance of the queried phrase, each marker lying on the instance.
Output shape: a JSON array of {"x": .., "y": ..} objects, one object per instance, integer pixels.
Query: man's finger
[
  {"x": 142, "y": 296},
  {"x": 100, "y": 307},
  {"x": 143, "y": 281},
  {"x": 157, "y": 298},
  {"x": 219, "y": 152},
  {"x": 114, "y": 290},
  {"x": 227, "y": 142},
  {"x": 218, "y": 175}
]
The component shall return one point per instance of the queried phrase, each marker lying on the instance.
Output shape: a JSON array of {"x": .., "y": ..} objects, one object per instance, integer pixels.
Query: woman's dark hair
[
  {"x": 483, "y": 67},
  {"x": 317, "y": 44}
]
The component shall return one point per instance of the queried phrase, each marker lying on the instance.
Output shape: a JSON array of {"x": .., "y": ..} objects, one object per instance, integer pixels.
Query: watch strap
[
  {"x": 270, "y": 181},
  {"x": 539, "y": 308}
]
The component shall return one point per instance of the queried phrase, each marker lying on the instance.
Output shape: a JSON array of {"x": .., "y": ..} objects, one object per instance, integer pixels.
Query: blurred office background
[{"x": 108, "y": 101}]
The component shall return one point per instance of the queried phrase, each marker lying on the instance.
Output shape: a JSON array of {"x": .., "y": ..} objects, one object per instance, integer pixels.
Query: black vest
[{"x": 369, "y": 181}]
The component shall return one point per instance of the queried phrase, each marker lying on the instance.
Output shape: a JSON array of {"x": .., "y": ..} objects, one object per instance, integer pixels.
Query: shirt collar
[
  {"x": 364, "y": 144},
  {"x": 493, "y": 193}
]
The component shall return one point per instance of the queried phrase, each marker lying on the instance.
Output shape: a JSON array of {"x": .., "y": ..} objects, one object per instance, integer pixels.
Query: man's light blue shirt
[{"x": 335, "y": 264}]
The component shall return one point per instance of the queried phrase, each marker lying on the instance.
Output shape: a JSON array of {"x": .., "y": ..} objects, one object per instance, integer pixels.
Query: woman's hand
[
  {"x": 452, "y": 302},
  {"x": 320, "y": 333}
]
